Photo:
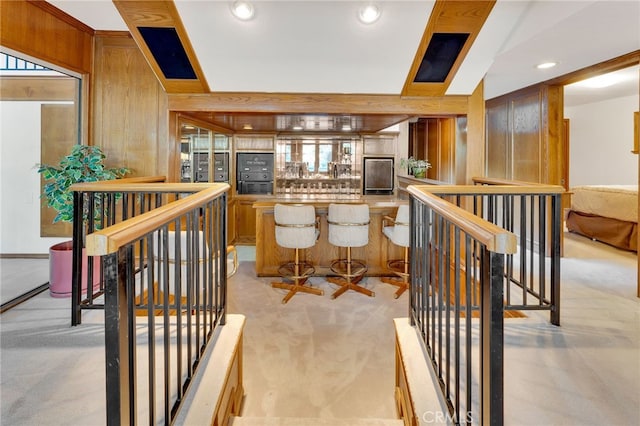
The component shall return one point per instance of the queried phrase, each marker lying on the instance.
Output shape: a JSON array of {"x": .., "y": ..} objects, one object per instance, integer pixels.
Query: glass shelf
[{"x": 326, "y": 164}]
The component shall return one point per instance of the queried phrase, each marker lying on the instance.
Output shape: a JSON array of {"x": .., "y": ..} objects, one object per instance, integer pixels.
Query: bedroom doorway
[{"x": 601, "y": 122}]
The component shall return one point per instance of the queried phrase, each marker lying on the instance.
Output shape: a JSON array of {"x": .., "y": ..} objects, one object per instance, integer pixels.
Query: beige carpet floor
[{"x": 334, "y": 358}]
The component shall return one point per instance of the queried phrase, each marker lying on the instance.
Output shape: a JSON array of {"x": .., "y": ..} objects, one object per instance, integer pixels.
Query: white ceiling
[{"x": 320, "y": 46}]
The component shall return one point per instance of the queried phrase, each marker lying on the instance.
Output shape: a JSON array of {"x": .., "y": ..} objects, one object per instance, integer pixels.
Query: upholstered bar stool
[
  {"x": 296, "y": 228},
  {"x": 348, "y": 227},
  {"x": 397, "y": 231}
]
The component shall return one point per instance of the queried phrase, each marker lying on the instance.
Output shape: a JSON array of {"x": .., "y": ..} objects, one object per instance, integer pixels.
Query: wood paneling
[
  {"x": 475, "y": 134},
  {"x": 497, "y": 142},
  {"x": 434, "y": 139},
  {"x": 60, "y": 40},
  {"x": 240, "y": 122},
  {"x": 130, "y": 119},
  {"x": 525, "y": 137},
  {"x": 460, "y": 152},
  {"x": 58, "y": 134},
  {"x": 526, "y": 143},
  {"x": 246, "y": 221},
  {"x": 433, "y": 147},
  {"x": 39, "y": 89}
]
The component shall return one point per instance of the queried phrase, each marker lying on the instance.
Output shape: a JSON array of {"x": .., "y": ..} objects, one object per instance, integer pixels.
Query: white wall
[
  {"x": 601, "y": 140},
  {"x": 19, "y": 180}
]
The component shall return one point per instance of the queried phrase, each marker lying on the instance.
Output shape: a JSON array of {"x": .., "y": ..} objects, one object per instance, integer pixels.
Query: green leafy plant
[
  {"x": 84, "y": 164},
  {"x": 418, "y": 168}
]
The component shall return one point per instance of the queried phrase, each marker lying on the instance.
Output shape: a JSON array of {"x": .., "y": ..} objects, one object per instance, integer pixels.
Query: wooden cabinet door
[{"x": 246, "y": 222}]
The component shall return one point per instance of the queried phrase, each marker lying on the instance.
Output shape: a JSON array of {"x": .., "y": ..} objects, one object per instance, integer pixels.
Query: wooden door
[
  {"x": 246, "y": 221},
  {"x": 59, "y": 132}
]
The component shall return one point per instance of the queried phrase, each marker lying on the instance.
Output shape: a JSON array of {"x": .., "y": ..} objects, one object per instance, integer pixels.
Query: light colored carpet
[
  {"x": 314, "y": 356},
  {"x": 334, "y": 358}
]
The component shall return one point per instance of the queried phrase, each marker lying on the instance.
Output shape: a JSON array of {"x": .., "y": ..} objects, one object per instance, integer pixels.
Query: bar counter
[{"x": 269, "y": 255}]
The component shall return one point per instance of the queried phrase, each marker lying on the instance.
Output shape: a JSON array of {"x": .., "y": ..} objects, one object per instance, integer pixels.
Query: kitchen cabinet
[{"x": 245, "y": 220}]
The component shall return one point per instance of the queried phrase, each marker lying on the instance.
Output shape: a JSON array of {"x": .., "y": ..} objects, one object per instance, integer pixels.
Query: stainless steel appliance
[
  {"x": 378, "y": 175},
  {"x": 221, "y": 167},
  {"x": 201, "y": 166},
  {"x": 254, "y": 174}
]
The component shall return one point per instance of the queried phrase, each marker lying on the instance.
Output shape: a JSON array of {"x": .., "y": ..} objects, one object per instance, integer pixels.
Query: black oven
[{"x": 254, "y": 173}]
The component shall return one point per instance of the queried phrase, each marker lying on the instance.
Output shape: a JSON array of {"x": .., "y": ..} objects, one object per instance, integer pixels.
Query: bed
[{"x": 606, "y": 213}]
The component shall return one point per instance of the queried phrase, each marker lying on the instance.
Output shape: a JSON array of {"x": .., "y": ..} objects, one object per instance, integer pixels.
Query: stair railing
[
  {"x": 101, "y": 204},
  {"x": 164, "y": 274},
  {"x": 454, "y": 254},
  {"x": 533, "y": 212}
]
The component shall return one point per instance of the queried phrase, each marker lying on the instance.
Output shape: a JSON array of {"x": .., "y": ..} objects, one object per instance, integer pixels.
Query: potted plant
[
  {"x": 417, "y": 168},
  {"x": 84, "y": 164}
]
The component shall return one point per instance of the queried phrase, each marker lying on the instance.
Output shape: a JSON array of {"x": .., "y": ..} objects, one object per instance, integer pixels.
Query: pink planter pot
[{"x": 60, "y": 270}]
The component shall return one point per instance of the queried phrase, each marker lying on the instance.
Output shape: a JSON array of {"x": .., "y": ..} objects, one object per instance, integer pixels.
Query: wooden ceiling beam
[{"x": 310, "y": 103}]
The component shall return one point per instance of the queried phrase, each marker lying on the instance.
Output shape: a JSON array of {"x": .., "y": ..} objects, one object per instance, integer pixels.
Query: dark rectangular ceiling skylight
[
  {"x": 167, "y": 50},
  {"x": 441, "y": 54}
]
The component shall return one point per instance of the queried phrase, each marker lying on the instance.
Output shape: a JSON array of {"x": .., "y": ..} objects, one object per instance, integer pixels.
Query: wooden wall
[
  {"x": 524, "y": 136},
  {"x": 128, "y": 108},
  {"x": 30, "y": 27}
]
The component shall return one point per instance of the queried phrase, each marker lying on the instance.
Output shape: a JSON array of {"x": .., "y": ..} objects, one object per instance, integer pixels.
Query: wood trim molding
[
  {"x": 63, "y": 16},
  {"x": 636, "y": 133},
  {"x": 461, "y": 16},
  {"x": 611, "y": 65},
  {"x": 614, "y": 64}
]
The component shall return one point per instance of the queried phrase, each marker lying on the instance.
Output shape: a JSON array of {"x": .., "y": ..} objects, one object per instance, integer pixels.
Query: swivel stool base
[
  {"x": 297, "y": 273},
  {"x": 349, "y": 272}
]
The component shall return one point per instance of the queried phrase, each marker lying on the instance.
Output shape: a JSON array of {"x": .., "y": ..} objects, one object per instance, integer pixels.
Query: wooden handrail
[
  {"x": 139, "y": 179},
  {"x": 119, "y": 186},
  {"x": 496, "y": 239},
  {"x": 111, "y": 239},
  {"x": 496, "y": 181},
  {"x": 492, "y": 189}
]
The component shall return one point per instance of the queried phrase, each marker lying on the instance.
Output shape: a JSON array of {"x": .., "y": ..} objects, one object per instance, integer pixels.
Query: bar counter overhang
[{"x": 269, "y": 256}]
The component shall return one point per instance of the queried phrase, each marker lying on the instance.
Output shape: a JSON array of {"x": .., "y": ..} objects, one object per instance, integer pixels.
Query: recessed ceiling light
[
  {"x": 247, "y": 126},
  {"x": 242, "y": 10},
  {"x": 546, "y": 65},
  {"x": 369, "y": 13}
]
